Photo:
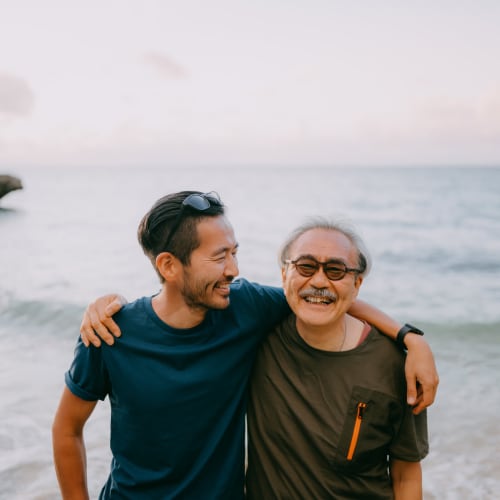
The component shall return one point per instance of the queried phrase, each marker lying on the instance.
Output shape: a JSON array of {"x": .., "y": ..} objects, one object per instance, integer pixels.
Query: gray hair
[{"x": 340, "y": 226}]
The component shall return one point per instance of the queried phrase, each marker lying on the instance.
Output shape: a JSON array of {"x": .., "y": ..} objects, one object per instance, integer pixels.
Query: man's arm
[
  {"x": 406, "y": 480},
  {"x": 420, "y": 369},
  {"x": 69, "y": 447},
  {"x": 97, "y": 320}
]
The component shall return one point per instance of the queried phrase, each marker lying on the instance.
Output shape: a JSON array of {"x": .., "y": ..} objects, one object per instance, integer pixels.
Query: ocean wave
[
  {"x": 66, "y": 317},
  {"x": 439, "y": 258},
  {"x": 486, "y": 333},
  {"x": 29, "y": 314}
]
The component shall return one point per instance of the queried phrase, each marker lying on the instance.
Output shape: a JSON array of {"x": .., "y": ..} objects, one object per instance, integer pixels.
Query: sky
[{"x": 255, "y": 82}]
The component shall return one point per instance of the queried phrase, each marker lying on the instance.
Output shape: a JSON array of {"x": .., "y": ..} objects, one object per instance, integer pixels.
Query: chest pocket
[{"x": 371, "y": 422}]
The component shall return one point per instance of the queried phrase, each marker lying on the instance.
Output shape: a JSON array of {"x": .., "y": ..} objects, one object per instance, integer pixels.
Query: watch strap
[{"x": 405, "y": 329}]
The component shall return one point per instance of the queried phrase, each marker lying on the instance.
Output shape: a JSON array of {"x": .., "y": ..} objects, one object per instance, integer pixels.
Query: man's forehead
[
  {"x": 322, "y": 243},
  {"x": 210, "y": 228}
]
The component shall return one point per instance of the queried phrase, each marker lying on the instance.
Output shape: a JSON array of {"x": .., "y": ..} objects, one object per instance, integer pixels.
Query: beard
[{"x": 199, "y": 294}]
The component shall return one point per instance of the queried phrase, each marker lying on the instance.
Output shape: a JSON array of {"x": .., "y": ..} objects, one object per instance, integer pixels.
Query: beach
[{"x": 434, "y": 235}]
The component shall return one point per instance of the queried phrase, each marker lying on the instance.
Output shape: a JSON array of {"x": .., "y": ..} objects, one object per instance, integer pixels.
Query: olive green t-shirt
[{"x": 323, "y": 424}]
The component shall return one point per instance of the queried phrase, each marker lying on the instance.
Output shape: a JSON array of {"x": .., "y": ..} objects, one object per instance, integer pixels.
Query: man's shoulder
[
  {"x": 256, "y": 302},
  {"x": 244, "y": 288},
  {"x": 382, "y": 342},
  {"x": 135, "y": 309},
  {"x": 136, "y": 304}
]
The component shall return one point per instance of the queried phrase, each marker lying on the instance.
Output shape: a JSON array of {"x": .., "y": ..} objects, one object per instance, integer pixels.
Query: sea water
[{"x": 433, "y": 233}]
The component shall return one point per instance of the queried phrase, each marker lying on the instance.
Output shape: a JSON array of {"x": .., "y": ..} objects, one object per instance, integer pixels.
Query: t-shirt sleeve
[
  {"x": 87, "y": 377},
  {"x": 268, "y": 305},
  {"x": 411, "y": 443}
]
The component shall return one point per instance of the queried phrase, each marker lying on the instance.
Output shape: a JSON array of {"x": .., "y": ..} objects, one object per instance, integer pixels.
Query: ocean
[{"x": 433, "y": 233}]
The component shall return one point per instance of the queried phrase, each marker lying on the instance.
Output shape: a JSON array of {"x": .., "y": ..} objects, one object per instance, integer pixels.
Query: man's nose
[
  {"x": 231, "y": 268},
  {"x": 319, "y": 278}
]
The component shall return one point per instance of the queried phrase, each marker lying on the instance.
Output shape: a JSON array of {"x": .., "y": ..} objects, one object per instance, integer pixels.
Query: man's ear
[
  {"x": 358, "y": 281},
  {"x": 283, "y": 277},
  {"x": 167, "y": 265}
]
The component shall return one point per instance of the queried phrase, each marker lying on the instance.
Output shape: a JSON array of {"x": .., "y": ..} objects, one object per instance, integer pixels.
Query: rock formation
[{"x": 9, "y": 183}]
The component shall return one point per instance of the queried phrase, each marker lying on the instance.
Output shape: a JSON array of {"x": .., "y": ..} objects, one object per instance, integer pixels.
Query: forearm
[
  {"x": 406, "y": 480},
  {"x": 421, "y": 374},
  {"x": 366, "y": 312},
  {"x": 69, "y": 448},
  {"x": 70, "y": 464},
  {"x": 407, "y": 490}
]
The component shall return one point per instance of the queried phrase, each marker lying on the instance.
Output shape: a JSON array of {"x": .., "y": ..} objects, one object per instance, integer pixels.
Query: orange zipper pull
[{"x": 355, "y": 432}]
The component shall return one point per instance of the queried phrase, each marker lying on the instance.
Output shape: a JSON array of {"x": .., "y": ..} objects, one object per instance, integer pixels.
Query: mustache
[{"x": 319, "y": 293}]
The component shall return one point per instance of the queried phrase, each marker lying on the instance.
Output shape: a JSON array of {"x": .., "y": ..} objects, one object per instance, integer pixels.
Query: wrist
[{"x": 408, "y": 335}]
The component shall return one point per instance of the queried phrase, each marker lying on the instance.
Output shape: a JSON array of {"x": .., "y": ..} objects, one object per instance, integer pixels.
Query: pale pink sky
[{"x": 249, "y": 82}]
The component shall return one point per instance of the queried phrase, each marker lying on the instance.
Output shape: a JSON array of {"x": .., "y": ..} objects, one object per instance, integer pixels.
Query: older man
[
  {"x": 177, "y": 376},
  {"x": 328, "y": 414}
]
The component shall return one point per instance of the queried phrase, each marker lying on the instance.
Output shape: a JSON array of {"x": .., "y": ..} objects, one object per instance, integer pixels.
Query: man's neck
[
  {"x": 174, "y": 311},
  {"x": 339, "y": 336}
]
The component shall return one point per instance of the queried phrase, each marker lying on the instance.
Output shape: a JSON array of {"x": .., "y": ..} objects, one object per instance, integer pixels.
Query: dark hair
[
  {"x": 343, "y": 227},
  {"x": 154, "y": 228}
]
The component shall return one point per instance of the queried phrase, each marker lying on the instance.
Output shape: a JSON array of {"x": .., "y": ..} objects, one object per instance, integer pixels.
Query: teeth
[{"x": 318, "y": 300}]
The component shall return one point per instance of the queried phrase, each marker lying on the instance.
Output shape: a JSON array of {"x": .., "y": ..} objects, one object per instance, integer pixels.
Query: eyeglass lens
[
  {"x": 201, "y": 201},
  {"x": 308, "y": 267}
]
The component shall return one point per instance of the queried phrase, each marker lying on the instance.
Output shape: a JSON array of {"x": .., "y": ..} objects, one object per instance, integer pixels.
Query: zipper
[{"x": 360, "y": 409}]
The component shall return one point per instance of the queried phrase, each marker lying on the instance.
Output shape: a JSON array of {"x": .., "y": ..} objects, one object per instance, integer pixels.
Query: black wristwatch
[{"x": 406, "y": 328}]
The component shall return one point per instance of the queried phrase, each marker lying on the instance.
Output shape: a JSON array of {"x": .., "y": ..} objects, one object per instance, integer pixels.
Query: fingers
[
  {"x": 97, "y": 324},
  {"x": 113, "y": 307},
  {"x": 426, "y": 394},
  {"x": 100, "y": 324},
  {"x": 421, "y": 374},
  {"x": 411, "y": 390},
  {"x": 419, "y": 405},
  {"x": 107, "y": 320},
  {"x": 421, "y": 395},
  {"x": 87, "y": 331},
  {"x": 108, "y": 330}
]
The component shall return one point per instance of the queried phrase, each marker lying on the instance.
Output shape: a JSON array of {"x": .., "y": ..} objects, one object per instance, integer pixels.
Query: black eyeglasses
[
  {"x": 197, "y": 202},
  {"x": 334, "y": 270}
]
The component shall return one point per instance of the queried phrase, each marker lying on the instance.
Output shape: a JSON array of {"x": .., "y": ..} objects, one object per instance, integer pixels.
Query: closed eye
[
  {"x": 334, "y": 269},
  {"x": 307, "y": 268}
]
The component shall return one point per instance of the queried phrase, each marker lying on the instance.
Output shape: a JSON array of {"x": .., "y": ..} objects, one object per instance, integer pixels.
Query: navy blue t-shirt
[{"x": 178, "y": 397}]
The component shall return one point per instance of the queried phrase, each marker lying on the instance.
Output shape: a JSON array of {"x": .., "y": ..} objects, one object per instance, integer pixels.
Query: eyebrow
[{"x": 334, "y": 260}]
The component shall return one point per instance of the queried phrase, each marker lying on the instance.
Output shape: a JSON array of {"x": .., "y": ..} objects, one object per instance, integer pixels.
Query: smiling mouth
[
  {"x": 223, "y": 287},
  {"x": 319, "y": 300},
  {"x": 318, "y": 296}
]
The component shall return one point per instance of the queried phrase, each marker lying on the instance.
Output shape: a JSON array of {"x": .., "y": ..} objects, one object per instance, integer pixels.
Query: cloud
[
  {"x": 165, "y": 65},
  {"x": 473, "y": 119},
  {"x": 16, "y": 96}
]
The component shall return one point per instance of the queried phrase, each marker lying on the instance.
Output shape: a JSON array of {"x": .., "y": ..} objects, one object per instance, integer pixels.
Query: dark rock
[{"x": 9, "y": 183}]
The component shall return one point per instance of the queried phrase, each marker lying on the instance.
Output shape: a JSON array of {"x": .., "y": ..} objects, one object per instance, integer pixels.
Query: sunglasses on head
[
  {"x": 334, "y": 270},
  {"x": 198, "y": 203}
]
